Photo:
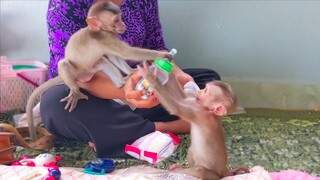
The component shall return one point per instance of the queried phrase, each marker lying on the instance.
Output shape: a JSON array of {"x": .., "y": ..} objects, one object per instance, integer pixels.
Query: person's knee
[
  {"x": 176, "y": 127},
  {"x": 211, "y": 74},
  {"x": 50, "y": 99},
  {"x": 50, "y": 105},
  {"x": 216, "y": 75},
  {"x": 202, "y": 75}
]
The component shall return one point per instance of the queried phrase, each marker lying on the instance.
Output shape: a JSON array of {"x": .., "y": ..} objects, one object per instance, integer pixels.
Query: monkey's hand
[
  {"x": 169, "y": 57},
  {"x": 151, "y": 77},
  {"x": 164, "y": 55},
  {"x": 171, "y": 54},
  {"x": 72, "y": 99}
]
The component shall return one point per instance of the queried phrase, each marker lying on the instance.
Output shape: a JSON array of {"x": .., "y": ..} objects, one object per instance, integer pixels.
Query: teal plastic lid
[
  {"x": 18, "y": 67},
  {"x": 164, "y": 65}
]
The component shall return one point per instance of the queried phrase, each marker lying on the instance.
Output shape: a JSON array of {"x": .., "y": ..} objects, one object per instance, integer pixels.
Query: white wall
[
  {"x": 23, "y": 30},
  {"x": 268, "y": 50},
  {"x": 269, "y": 40}
]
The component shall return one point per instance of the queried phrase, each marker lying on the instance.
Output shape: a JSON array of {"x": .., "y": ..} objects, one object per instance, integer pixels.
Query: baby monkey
[
  {"x": 92, "y": 49},
  {"x": 207, "y": 155}
]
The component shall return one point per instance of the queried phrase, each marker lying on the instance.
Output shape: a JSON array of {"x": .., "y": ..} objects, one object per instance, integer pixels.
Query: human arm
[
  {"x": 181, "y": 76},
  {"x": 101, "y": 86}
]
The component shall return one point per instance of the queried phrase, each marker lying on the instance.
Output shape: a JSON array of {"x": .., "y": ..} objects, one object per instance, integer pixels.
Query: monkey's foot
[
  {"x": 239, "y": 170},
  {"x": 176, "y": 167},
  {"x": 92, "y": 145},
  {"x": 72, "y": 99}
]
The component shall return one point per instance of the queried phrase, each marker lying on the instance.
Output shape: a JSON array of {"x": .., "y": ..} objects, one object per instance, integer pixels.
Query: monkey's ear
[
  {"x": 93, "y": 23},
  {"x": 219, "y": 110}
]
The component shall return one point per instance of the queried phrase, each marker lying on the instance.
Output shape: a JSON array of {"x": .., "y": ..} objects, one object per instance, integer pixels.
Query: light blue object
[
  {"x": 100, "y": 167},
  {"x": 19, "y": 67},
  {"x": 90, "y": 170}
]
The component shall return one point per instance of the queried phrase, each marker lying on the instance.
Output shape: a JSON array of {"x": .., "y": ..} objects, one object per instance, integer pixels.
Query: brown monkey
[
  {"x": 207, "y": 155},
  {"x": 92, "y": 49}
]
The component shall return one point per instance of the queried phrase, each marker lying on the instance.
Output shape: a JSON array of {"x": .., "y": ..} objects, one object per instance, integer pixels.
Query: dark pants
[{"x": 104, "y": 122}]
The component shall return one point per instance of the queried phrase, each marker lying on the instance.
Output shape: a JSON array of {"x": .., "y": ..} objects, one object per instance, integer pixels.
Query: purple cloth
[{"x": 65, "y": 17}]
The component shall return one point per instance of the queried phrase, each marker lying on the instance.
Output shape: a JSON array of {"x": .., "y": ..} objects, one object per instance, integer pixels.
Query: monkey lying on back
[
  {"x": 92, "y": 49},
  {"x": 207, "y": 155}
]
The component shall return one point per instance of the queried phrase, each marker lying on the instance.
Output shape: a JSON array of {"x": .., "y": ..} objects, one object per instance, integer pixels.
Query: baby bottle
[
  {"x": 163, "y": 69},
  {"x": 191, "y": 89}
]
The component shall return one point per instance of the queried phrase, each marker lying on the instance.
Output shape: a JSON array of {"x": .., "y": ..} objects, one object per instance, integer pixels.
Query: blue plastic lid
[{"x": 100, "y": 166}]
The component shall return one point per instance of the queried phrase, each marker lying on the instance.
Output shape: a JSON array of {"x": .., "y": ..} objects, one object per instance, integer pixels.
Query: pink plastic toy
[{"x": 44, "y": 160}]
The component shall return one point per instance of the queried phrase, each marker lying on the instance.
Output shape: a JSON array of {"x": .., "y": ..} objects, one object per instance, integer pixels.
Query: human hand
[
  {"x": 134, "y": 96},
  {"x": 183, "y": 78}
]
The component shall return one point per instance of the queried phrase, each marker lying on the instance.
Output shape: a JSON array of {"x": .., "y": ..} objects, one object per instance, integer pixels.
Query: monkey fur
[{"x": 207, "y": 155}]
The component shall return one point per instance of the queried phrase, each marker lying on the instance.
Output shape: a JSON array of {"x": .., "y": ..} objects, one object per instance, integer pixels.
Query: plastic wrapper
[{"x": 153, "y": 147}]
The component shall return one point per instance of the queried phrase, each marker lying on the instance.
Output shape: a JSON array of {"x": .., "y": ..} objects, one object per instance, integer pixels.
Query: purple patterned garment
[{"x": 65, "y": 17}]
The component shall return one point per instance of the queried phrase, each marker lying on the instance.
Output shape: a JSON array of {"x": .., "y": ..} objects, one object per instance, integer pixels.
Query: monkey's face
[
  {"x": 209, "y": 96},
  {"x": 112, "y": 22},
  {"x": 119, "y": 25}
]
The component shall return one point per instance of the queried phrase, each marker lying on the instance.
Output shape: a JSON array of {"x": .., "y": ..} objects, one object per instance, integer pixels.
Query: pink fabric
[
  {"x": 292, "y": 175},
  {"x": 256, "y": 173}
]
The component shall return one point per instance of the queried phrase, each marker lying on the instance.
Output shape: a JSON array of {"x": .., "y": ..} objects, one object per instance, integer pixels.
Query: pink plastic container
[{"x": 18, "y": 79}]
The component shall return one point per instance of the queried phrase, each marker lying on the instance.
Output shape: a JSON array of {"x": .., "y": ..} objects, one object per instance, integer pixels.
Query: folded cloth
[
  {"x": 20, "y": 120},
  {"x": 144, "y": 172},
  {"x": 131, "y": 173}
]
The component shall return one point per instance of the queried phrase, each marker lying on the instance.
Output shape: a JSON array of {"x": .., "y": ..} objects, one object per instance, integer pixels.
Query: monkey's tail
[{"x": 33, "y": 99}]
